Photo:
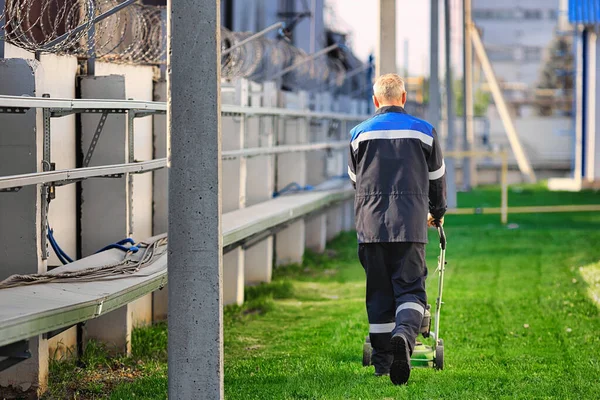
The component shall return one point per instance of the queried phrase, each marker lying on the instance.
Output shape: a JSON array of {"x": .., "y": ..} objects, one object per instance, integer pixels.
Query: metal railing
[{"x": 56, "y": 108}]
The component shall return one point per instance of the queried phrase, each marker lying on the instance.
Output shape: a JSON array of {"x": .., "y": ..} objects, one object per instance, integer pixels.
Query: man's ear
[
  {"x": 375, "y": 102},
  {"x": 403, "y": 99}
]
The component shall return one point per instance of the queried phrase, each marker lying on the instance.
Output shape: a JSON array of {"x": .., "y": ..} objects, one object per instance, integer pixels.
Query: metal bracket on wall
[
  {"x": 94, "y": 142},
  {"x": 14, "y": 353},
  {"x": 60, "y": 112},
  {"x": 130, "y": 159},
  {"x": 13, "y": 110},
  {"x": 45, "y": 190},
  {"x": 11, "y": 190},
  {"x": 44, "y": 225},
  {"x": 145, "y": 113}
]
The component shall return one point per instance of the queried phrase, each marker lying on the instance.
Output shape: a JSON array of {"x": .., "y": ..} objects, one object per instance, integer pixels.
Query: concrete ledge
[{"x": 45, "y": 307}]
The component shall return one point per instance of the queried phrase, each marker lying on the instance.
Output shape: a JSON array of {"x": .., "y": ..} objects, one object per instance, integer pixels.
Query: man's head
[{"x": 389, "y": 90}]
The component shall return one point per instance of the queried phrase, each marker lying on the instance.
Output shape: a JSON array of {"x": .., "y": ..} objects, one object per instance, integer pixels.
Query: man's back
[{"x": 394, "y": 157}]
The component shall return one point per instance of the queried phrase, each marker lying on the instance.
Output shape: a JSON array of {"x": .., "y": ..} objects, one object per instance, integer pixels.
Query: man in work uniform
[{"x": 398, "y": 172}]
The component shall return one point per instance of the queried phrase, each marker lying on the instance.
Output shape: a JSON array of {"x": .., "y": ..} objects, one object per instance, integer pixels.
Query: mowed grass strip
[{"x": 517, "y": 321}]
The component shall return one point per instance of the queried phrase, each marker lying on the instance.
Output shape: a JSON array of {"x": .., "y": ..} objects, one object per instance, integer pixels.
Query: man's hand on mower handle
[{"x": 434, "y": 223}]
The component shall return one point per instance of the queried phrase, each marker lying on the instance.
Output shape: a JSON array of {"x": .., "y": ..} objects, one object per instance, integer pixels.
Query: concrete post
[
  {"x": 316, "y": 227},
  {"x": 138, "y": 86},
  {"x": 21, "y": 152},
  {"x": 195, "y": 245},
  {"x": 56, "y": 77},
  {"x": 469, "y": 164},
  {"x": 338, "y": 167},
  {"x": 592, "y": 168},
  {"x": 385, "y": 59},
  {"x": 104, "y": 215},
  {"x": 160, "y": 205},
  {"x": 234, "y": 190},
  {"x": 258, "y": 261},
  {"x": 292, "y": 168},
  {"x": 434, "y": 67},
  {"x": 451, "y": 139}
]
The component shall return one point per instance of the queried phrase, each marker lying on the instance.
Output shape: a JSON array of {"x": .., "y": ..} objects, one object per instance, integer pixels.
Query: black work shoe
[
  {"x": 400, "y": 370},
  {"x": 382, "y": 373}
]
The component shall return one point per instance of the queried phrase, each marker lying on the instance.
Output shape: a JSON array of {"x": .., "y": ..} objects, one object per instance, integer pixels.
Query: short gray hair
[{"x": 389, "y": 87}]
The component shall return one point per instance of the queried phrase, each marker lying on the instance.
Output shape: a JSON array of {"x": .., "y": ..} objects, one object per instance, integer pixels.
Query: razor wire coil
[{"x": 137, "y": 35}]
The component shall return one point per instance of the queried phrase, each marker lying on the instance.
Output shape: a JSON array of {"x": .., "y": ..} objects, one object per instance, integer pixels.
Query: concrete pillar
[
  {"x": 349, "y": 216},
  {"x": 57, "y": 78},
  {"x": 21, "y": 143},
  {"x": 316, "y": 173},
  {"x": 160, "y": 304},
  {"x": 385, "y": 59},
  {"x": 234, "y": 192},
  {"x": 104, "y": 215},
  {"x": 260, "y": 132},
  {"x": 337, "y": 164},
  {"x": 433, "y": 112},
  {"x": 469, "y": 166},
  {"x": 316, "y": 233},
  {"x": 195, "y": 242},
  {"x": 138, "y": 86},
  {"x": 290, "y": 243},
  {"x": 593, "y": 133},
  {"x": 450, "y": 126},
  {"x": 233, "y": 277}
]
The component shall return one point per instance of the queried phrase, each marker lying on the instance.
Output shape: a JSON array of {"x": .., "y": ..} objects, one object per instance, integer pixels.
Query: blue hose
[
  {"x": 62, "y": 256},
  {"x": 293, "y": 187},
  {"x": 65, "y": 259},
  {"x": 119, "y": 246}
]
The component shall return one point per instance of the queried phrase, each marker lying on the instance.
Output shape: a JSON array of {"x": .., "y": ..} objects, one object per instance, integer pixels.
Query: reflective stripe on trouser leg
[
  {"x": 408, "y": 321},
  {"x": 382, "y": 328},
  {"x": 408, "y": 277}
]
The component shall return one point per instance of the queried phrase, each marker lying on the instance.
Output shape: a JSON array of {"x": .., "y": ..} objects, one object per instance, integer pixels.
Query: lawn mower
[{"x": 425, "y": 356}]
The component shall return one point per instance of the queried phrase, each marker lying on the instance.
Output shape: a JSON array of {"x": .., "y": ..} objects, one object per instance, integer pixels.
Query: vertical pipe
[
  {"x": 590, "y": 105},
  {"x": 469, "y": 164},
  {"x": 313, "y": 26},
  {"x": 195, "y": 246},
  {"x": 450, "y": 140},
  {"x": 504, "y": 184},
  {"x": 386, "y": 44},
  {"x": 245, "y": 95},
  {"x": 2, "y": 42},
  {"x": 434, "y": 66},
  {"x": 406, "y": 73},
  {"x": 579, "y": 100},
  {"x": 130, "y": 159}
]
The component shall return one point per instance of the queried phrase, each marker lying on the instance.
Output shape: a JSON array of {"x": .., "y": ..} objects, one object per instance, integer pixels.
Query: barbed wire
[
  {"x": 137, "y": 34},
  {"x": 263, "y": 58}
]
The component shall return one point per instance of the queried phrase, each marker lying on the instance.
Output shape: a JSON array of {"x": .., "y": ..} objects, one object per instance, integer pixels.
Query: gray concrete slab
[{"x": 21, "y": 141}]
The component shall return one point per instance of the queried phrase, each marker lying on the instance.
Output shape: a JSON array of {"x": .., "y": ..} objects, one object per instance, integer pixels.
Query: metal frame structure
[
  {"x": 278, "y": 213},
  {"x": 56, "y": 108}
]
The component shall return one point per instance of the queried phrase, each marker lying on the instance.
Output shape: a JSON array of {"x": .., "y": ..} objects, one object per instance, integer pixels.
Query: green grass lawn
[{"x": 518, "y": 321}]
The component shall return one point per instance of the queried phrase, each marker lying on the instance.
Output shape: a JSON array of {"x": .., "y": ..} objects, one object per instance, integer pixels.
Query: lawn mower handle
[{"x": 442, "y": 234}]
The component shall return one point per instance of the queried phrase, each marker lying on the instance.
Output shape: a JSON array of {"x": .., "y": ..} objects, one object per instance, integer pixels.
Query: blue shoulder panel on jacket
[{"x": 392, "y": 121}]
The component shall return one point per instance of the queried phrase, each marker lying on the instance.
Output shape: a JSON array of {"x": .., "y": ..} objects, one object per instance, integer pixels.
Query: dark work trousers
[{"x": 396, "y": 297}]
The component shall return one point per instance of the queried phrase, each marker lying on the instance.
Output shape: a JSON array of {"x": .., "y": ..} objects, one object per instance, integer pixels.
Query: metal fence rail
[{"x": 19, "y": 104}]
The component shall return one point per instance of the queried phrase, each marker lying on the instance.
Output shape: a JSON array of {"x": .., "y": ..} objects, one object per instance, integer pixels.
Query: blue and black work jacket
[{"x": 398, "y": 171}]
